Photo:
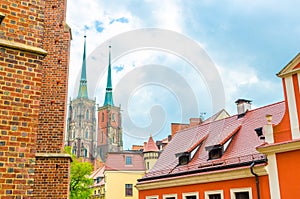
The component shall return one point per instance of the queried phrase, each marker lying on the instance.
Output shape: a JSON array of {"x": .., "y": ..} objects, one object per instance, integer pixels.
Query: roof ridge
[{"x": 229, "y": 117}]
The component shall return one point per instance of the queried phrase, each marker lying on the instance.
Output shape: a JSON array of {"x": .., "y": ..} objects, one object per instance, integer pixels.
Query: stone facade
[
  {"x": 34, "y": 58},
  {"x": 82, "y": 128}
]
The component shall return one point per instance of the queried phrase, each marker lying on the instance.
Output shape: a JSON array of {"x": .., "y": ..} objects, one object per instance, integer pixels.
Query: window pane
[
  {"x": 128, "y": 189},
  {"x": 214, "y": 196},
  {"x": 190, "y": 197},
  {"x": 170, "y": 198},
  {"x": 242, "y": 195},
  {"x": 128, "y": 160}
]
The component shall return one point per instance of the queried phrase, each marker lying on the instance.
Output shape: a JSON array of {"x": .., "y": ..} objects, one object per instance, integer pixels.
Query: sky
[{"x": 173, "y": 60}]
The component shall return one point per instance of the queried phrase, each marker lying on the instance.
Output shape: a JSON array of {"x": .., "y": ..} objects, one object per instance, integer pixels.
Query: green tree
[{"x": 80, "y": 182}]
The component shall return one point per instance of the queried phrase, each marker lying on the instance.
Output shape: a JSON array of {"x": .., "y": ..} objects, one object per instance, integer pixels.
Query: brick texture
[{"x": 33, "y": 91}]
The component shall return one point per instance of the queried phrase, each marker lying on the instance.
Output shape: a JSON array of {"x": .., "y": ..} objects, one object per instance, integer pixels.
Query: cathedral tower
[
  {"x": 81, "y": 134},
  {"x": 109, "y": 121}
]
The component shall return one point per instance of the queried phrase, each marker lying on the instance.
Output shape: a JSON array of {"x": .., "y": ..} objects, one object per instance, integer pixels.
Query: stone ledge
[
  {"x": 52, "y": 155},
  {"x": 24, "y": 47}
]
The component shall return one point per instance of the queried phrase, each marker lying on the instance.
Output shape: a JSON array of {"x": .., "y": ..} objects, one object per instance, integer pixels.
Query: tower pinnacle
[
  {"x": 82, "y": 92},
  {"x": 108, "y": 94}
]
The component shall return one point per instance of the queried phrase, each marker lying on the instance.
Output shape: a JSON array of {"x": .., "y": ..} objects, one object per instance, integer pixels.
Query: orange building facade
[{"x": 252, "y": 155}]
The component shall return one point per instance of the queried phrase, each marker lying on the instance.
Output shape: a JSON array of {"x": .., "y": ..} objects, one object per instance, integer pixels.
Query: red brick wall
[
  {"x": 54, "y": 79},
  {"x": 51, "y": 176},
  {"x": 20, "y": 81},
  {"x": 28, "y": 84}
]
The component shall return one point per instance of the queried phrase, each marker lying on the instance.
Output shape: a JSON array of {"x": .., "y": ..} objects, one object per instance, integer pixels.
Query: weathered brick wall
[
  {"x": 54, "y": 79},
  {"x": 29, "y": 82},
  {"x": 52, "y": 175},
  {"x": 20, "y": 81}
]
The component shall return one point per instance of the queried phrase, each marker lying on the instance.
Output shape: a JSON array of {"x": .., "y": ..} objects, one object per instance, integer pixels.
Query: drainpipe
[{"x": 256, "y": 180}]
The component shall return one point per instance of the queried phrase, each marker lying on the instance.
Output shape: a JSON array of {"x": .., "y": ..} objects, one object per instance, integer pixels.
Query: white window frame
[
  {"x": 151, "y": 197},
  {"x": 190, "y": 194},
  {"x": 169, "y": 195},
  {"x": 247, "y": 189},
  {"x": 207, "y": 193}
]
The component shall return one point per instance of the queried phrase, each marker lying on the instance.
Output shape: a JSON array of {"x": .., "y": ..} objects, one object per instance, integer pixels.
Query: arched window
[
  {"x": 102, "y": 117},
  {"x": 87, "y": 134},
  {"x": 87, "y": 113},
  {"x": 85, "y": 153},
  {"x": 74, "y": 115},
  {"x": 113, "y": 117}
]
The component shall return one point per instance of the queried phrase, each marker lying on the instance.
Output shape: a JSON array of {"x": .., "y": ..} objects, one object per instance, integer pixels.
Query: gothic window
[
  {"x": 87, "y": 134},
  {"x": 85, "y": 153},
  {"x": 112, "y": 117},
  {"x": 73, "y": 133},
  {"x": 87, "y": 113},
  {"x": 74, "y": 115}
]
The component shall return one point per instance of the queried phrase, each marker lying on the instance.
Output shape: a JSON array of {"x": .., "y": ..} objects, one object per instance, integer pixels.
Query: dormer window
[
  {"x": 183, "y": 158},
  {"x": 214, "y": 152}
]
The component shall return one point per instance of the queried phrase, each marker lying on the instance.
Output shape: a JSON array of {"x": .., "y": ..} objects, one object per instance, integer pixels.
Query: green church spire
[
  {"x": 108, "y": 95},
  {"x": 83, "y": 92}
]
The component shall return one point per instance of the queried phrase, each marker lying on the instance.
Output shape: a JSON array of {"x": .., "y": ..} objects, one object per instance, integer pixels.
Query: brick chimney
[{"x": 243, "y": 106}]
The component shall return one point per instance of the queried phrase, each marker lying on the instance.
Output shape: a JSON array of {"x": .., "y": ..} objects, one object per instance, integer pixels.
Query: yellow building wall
[{"x": 115, "y": 183}]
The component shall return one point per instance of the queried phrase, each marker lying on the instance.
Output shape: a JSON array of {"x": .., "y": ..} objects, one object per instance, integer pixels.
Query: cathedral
[{"x": 87, "y": 140}]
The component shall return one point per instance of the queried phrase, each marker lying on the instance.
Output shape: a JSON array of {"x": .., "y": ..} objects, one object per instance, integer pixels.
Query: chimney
[
  {"x": 195, "y": 121},
  {"x": 243, "y": 106}
]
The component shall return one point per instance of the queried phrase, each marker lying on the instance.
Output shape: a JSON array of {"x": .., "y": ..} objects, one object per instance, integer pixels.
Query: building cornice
[
  {"x": 279, "y": 147},
  {"x": 202, "y": 178}
]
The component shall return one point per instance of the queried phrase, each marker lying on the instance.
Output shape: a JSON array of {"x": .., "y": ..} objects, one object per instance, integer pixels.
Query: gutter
[
  {"x": 202, "y": 170},
  {"x": 256, "y": 180}
]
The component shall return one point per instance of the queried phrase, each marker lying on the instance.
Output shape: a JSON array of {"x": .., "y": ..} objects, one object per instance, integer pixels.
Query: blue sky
[{"x": 248, "y": 41}]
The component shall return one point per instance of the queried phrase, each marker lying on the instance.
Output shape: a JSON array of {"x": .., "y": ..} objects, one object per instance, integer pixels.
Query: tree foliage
[{"x": 80, "y": 182}]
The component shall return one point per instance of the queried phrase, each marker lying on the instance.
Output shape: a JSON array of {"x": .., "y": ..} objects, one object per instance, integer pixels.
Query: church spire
[
  {"x": 82, "y": 92},
  {"x": 108, "y": 95}
]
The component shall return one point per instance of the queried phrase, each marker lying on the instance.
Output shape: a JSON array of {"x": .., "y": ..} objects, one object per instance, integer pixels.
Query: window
[
  {"x": 85, "y": 153},
  {"x": 74, "y": 115},
  {"x": 151, "y": 197},
  {"x": 184, "y": 158},
  {"x": 194, "y": 195},
  {"x": 128, "y": 160},
  {"x": 241, "y": 193},
  {"x": 87, "y": 113},
  {"x": 98, "y": 179},
  {"x": 102, "y": 117},
  {"x": 87, "y": 134},
  {"x": 128, "y": 190},
  {"x": 215, "y": 153},
  {"x": 113, "y": 117},
  {"x": 170, "y": 196},
  {"x": 218, "y": 194}
]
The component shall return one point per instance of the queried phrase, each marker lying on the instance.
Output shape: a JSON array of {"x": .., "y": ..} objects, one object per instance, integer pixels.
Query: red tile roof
[
  {"x": 241, "y": 149},
  {"x": 117, "y": 161},
  {"x": 150, "y": 145}
]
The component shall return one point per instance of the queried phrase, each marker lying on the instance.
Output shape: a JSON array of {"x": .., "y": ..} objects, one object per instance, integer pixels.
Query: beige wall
[{"x": 115, "y": 183}]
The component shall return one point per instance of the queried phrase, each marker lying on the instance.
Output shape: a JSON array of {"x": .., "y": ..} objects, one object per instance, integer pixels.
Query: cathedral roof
[
  {"x": 83, "y": 92},
  {"x": 108, "y": 94}
]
